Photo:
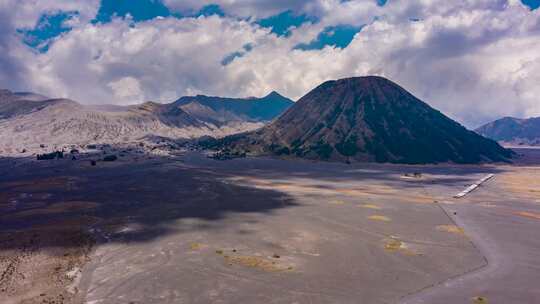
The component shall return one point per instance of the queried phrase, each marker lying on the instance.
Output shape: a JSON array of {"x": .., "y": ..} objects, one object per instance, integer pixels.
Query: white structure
[{"x": 474, "y": 186}]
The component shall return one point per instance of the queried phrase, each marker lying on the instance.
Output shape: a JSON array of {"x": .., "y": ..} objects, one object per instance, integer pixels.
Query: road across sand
[{"x": 493, "y": 217}]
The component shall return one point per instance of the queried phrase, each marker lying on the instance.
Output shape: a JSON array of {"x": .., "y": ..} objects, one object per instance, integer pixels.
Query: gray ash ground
[{"x": 173, "y": 226}]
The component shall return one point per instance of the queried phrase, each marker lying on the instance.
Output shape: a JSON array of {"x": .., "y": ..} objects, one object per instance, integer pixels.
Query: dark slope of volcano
[{"x": 368, "y": 119}]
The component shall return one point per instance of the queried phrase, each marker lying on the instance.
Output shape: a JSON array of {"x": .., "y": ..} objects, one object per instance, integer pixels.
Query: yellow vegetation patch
[
  {"x": 337, "y": 202},
  {"x": 528, "y": 214},
  {"x": 380, "y": 218},
  {"x": 393, "y": 245},
  {"x": 451, "y": 229},
  {"x": 370, "y": 206},
  {"x": 256, "y": 262},
  {"x": 396, "y": 245},
  {"x": 196, "y": 246},
  {"x": 479, "y": 300}
]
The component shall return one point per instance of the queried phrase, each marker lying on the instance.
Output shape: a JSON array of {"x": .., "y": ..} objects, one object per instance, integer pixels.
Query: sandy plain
[{"x": 182, "y": 228}]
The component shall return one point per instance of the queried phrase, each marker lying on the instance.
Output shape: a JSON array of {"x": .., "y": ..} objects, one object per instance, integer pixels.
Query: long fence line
[{"x": 472, "y": 187}]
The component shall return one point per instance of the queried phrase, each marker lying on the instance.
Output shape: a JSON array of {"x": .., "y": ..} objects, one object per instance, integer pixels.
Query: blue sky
[
  {"x": 339, "y": 36},
  {"x": 455, "y": 55},
  {"x": 140, "y": 10},
  {"x": 49, "y": 26},
  {"x": 533, "y": 4},
  {"x": 143, "y": 10},
  {"x": 282, "y": 23}
]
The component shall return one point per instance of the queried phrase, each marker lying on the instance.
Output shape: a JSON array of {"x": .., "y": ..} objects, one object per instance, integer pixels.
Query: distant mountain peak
[
  {"x": 276, "y": 98},
  {"x": 274, "y": 94},
  {"x": 514, "y": 131},
  {"x": 368, "y": 119},
  {"x": 221, "y": 109}
]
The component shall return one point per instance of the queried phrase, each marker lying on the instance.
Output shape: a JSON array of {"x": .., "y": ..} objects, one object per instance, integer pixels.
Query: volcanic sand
[{"x": 188, "y": 229}]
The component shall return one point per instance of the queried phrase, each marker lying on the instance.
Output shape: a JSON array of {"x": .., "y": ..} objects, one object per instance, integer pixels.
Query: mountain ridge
[
  {"x": 222, "y": 109},
  {"x": 513, "y": 131},
  {"x": 28, "y": 119}
]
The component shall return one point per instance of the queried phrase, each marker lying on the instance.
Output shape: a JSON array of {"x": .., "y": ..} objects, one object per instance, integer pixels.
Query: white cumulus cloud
[{"x": 474, "y": 60}]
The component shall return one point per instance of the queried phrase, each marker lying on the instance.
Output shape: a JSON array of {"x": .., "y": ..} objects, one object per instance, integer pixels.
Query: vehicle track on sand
[{"x": 492, "y": 231}]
